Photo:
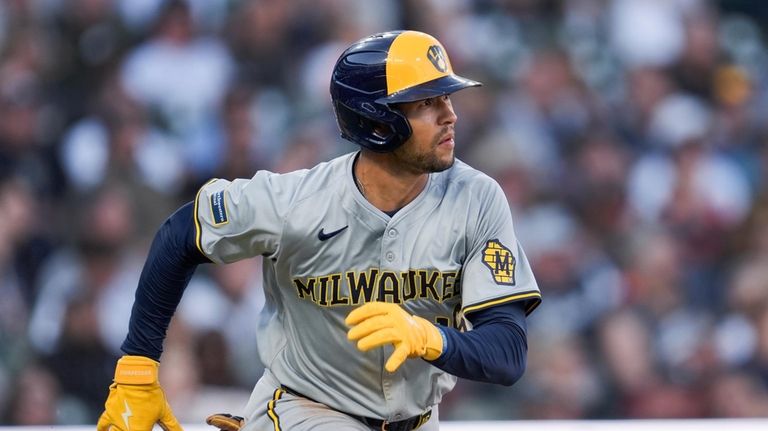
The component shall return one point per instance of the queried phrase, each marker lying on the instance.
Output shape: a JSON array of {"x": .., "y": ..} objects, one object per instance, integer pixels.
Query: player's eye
[{"x": 433, "y": 100}]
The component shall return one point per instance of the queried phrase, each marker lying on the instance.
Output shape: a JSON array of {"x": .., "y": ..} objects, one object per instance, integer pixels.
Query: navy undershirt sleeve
[
  {"x": 494, "y": 351},
  {"x": 171, "y": 261}
]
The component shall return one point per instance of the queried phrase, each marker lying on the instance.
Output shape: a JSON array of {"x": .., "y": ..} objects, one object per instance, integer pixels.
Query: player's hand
[
  {"x": 136, "y": 402},
  {"x": 378, "y": 323},
  {"x": 225, "y": 422}
]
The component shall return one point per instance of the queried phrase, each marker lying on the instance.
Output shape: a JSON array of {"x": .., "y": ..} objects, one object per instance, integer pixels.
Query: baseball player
[{"x": 388, "y": 272}]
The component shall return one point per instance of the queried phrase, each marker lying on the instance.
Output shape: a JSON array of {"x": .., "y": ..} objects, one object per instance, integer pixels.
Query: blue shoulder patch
[{"x": 219, "y": 208}]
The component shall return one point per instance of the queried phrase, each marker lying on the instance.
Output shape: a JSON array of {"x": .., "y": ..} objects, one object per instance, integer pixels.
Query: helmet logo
[{"x": 437, "y": 58}]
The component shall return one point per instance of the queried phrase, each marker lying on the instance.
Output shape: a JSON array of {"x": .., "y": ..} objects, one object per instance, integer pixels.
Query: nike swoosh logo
[{"x": 322, "y": 236}]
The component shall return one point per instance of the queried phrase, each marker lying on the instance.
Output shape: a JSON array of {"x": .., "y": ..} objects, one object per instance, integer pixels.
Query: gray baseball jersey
[{"x": 327, "y": 250}]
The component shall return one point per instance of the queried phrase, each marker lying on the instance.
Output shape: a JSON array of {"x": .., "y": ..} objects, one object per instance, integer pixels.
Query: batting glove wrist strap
[
  {"x": 433, "y": 339},
  {"x": 136, "y": 370}
]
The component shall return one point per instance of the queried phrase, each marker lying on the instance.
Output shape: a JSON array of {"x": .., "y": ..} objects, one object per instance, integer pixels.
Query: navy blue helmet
[{"x": 380, "y": 71}]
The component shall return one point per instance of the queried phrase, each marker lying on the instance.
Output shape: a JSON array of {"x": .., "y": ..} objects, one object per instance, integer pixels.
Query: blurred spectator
[
  {"x": 81, "y": 362},
  {"x": 121, "y": 145},
  {"x": 17, "y": 204},
  {"x": 566, "y": 383},
  {"x": 36, "y": 398},
  {"x": 221, "y": 307},
  {"x": 647, "y": 32},
  {"x": 89, "y": 42},
  {"x": 639, "y": 389},
  {"x": 24, "y": 149},
  {"x": 738, "y": 395},
  {"x": 102, "y": 266},
  {"x": 581, "y": 282},
  {"x": 118, "y": 145},
  {"x": 177, "y": 73},
  {"x": 86, "y": 291},
  {"x": 261, "y": 39},
  {"x": 240, "y": 138}
]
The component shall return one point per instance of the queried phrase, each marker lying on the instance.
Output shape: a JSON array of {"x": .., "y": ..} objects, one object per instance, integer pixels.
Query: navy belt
[{"x": 408, "y": 424}]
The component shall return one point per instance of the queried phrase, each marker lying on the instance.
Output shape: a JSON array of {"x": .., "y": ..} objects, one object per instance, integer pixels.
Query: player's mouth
[{"x": 446, "y": 141}]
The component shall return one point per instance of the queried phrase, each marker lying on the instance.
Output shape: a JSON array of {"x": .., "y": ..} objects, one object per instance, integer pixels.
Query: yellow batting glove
[
  {"x": 136, "y": 402},
  {"x": 378, "y": 323}
]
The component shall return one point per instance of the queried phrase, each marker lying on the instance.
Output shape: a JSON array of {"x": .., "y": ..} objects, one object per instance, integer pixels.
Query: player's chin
[
  {"x": 445, "y": 152},
  {"x": 443, "y": 162}
]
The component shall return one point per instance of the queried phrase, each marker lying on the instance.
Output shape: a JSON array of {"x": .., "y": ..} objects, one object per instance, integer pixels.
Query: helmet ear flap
[{"x": 380, "y": 130}]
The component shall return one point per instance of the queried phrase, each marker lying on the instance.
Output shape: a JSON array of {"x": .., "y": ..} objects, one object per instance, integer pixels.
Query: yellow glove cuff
[
  {"x": 136, "y": 370},
  {"x": 434, "y": 339}
]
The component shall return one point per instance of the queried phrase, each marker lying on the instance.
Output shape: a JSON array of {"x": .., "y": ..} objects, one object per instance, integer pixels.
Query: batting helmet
[{"x": 384, "y": 69}]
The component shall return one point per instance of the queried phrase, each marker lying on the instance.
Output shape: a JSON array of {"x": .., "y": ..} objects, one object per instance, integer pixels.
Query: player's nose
[{"x": 447, "y": 114}]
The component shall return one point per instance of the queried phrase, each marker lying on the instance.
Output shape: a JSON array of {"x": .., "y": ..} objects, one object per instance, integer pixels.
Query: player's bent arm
[
  {"x": 136, "y": 400},
  {"x": 172, "y": 259},
  {"x": 494, "y": 351}
]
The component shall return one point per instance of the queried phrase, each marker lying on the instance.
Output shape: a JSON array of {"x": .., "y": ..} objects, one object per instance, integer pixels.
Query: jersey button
[
  {"x": 392, "y": 233},
  {"x": 390, "y": 256}
]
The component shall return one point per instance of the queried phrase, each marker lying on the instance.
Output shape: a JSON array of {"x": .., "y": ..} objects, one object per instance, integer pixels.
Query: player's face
[{"x": 430, "y": 147}]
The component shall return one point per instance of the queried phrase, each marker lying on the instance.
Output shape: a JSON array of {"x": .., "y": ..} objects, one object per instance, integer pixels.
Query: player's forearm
[
  {"x": 494, "y": 352},
  {"x": 172, "y": 259}
]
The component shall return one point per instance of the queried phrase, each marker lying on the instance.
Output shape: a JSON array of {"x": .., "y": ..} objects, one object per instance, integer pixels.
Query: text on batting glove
[
  {"x": 136, "y": 402},
  {"x": 378, "y": 323}
]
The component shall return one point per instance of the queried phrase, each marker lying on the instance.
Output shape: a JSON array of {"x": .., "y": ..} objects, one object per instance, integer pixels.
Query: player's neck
[{"x": 384, "y": 183}]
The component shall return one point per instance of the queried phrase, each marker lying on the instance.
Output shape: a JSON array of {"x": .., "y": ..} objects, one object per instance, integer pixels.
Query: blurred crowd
[{"x": 630, "y": 136}]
